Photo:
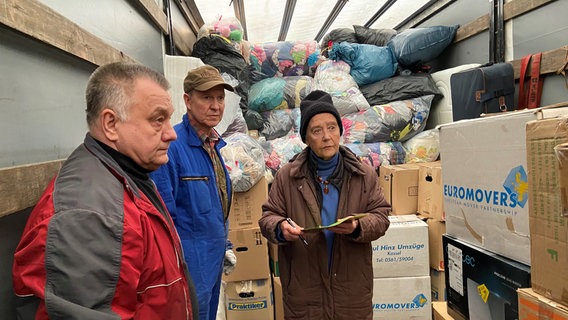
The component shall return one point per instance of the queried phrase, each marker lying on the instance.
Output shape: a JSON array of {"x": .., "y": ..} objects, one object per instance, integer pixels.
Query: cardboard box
[
  {"x": 480, "y": 284},
  {"x": 402, "y": 298},
  {"x": 222, "y": 305},
  {"x": 273, "y": 257},
  {"x": 251, "y": 250},
  {"x": 246, "y": 208},
  {"x": 278, "y": 303},
  {"x": 435, "y": 231},
  {"x": 485, "y": 181},
  {"x": 547, "y": 176},
  {"x": 438, "y": 285},
  {"x": 250, "y": 300},
  {"x": 533, "y": 306},
  {"x": 403, "y": 250},
  {"x": 431, "y": 190},
  {"x": 400, "y": 186},
  {"x": 440, "y": 311}
]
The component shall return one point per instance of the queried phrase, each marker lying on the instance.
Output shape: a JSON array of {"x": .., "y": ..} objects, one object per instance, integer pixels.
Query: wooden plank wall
[
  {"x": 40, "y": 22},
  {"x": 46, "y": 25},
  {"x": 553, "y": 61},
  {"x": 21, "y": 186}
]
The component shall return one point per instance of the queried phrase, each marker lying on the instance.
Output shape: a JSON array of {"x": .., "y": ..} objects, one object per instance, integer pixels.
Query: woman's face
[{"x": 323, "y": 135}]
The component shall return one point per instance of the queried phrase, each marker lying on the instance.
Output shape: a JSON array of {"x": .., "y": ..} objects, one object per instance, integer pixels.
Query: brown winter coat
[{"x": 310, "y": 291}]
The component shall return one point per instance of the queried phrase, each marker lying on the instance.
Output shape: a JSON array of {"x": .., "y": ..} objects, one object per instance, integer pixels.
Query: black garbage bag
[
  {"x": 338, "y": 35},
  {"x": 378, "y": 37},
  {"x": 400, "y": 88}
]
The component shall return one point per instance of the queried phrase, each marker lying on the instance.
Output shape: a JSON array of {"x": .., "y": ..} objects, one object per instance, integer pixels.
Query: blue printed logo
[
  {"x": 517, "y": 185},
  {"x": 420, "y": 300},
  {"x": 514, "y": 193}
]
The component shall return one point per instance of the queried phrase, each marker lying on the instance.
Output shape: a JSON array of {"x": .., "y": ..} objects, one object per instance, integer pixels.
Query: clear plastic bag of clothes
[
  {"x": 279, "y": 151},
  {"x": 244, "y": 158},
  {"x": 423, "y": 147},
  {"x": 279, "y": 93},
  {"x": 285, "y": 58},
  {"x": 379, "y": 153},
  {"x": 280, "y": 123},
  {"x": 333, "y": 77},
  {"x": 395, "y": 121}
]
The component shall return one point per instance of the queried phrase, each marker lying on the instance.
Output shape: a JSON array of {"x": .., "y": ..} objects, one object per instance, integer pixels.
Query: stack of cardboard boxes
[
  {"x": 417, "y": 189},
  {"x": 486, "y": 246},
  {"x": 248, "y": 289},
  {"x": 401, "y": 281},
  {"x": 431, "y": 207},
  {"x": 488, "y": 243},
  {"x": 476, "y": 204}
]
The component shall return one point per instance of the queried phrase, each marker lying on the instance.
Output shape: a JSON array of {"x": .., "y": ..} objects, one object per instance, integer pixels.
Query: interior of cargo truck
[{"x": 448, "y": 121}]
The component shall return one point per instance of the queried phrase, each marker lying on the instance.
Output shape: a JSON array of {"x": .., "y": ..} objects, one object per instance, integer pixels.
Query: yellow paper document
[{"x": 336, "y": 223}]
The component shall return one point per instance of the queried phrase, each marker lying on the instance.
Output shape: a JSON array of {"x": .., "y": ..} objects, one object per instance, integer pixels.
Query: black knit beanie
[{"x": 314, "y": 103}]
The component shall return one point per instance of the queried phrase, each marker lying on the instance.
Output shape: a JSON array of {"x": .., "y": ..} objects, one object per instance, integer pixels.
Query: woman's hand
[
  {"x": 346, "y": 227},
  {"x": 291, "y": 231}
]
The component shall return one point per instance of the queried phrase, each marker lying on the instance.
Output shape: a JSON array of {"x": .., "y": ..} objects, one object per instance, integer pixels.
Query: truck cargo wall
[
  {"x": 530, "y": 27},
  {"x": 48, "y": 49}
]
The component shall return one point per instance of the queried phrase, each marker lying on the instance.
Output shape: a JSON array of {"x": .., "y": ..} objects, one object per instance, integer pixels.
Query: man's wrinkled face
[
  {"x": 147, "y": 132},
  {"x": 205, "y": 108}
]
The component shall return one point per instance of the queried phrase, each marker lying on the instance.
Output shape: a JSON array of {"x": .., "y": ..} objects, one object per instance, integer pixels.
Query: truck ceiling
[{"x": 272, "y": 20}]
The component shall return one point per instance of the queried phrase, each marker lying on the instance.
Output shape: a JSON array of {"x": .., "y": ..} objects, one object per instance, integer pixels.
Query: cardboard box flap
[
  {"x": 546, "y": 147},
  {"x": 561, "y": 152}
]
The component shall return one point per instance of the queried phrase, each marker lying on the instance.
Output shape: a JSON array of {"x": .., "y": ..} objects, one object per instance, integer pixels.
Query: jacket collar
[{"x": 91, "y": 144}]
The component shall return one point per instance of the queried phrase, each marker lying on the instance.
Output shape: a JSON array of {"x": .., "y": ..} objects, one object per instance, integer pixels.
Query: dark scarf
[{"x": 139, "y": 175}]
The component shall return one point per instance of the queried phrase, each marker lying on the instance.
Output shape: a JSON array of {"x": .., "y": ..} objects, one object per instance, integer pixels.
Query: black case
[{"x": 485, "y": 89}]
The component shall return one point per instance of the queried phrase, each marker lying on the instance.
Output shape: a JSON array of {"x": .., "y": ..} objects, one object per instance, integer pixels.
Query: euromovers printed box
[
  {"x": 547, "y": 157},
  {"x": 251, "y": 249},
  {"x": 403, "y": 250},
  {"x": 482, "y": 285},
  {"x": 250, "y": 300},
  {"x": 402, "y": 298},
  {"x": 431, "y": 190},
  {"x": 246, "y": 208},
  {"x": 533, "y": 306},
  {"x": 400, "y": 186},
  {"x": 485, "y": 181}
]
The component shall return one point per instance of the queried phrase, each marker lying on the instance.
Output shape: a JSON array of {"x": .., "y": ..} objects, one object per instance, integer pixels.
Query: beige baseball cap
[{"x": 203, "y": 79}]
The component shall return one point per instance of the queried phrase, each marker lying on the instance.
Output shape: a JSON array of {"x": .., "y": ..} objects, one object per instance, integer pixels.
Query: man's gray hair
[{"x": 111, "y": 85}]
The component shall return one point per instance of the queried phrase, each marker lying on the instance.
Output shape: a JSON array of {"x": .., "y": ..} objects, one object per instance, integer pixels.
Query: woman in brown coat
[{"x": 325, "y": 274}]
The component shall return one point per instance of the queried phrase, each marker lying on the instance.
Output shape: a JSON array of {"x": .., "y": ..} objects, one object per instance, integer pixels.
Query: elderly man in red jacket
[{"x": 100, "y": 243}]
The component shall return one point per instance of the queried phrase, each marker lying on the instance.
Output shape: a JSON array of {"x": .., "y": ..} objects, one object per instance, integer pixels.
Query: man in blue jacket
[{"x": 196, "y": 187}]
